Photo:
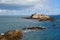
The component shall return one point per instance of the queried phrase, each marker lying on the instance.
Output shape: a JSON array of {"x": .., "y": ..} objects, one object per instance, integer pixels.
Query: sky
[{"x": 28, "y": 7}]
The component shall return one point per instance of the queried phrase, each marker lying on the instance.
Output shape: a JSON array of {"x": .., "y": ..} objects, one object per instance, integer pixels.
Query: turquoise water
[{"x": 16, "y": 22}]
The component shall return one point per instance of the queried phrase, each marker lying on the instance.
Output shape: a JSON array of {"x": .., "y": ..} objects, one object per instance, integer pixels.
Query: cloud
[
  {"x": 30, "y": 6},
  {"x": 41, "y": 7},
  {"x": 14, "y": 7},
  {"x": 20, "y": 2}
]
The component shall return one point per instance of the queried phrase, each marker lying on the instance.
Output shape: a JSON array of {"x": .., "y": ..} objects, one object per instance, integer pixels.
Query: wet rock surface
[
  {"x": 34, "y": 28},
  {"x": 11, "y": 35}
]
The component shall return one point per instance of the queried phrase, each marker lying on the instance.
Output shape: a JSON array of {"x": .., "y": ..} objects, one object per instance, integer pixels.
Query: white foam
[
  {"x": 26, "y": 31},
  {"x": 2, "y": 33}
]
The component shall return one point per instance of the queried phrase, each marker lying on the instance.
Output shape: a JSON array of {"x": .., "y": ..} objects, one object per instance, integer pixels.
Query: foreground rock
[
  {"x": 34, "y": 28},
  {"x": 11, "y": 35}
]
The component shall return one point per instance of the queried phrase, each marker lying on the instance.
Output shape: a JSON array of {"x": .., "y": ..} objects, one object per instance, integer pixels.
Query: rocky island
[{"x": 41, "y": 17}]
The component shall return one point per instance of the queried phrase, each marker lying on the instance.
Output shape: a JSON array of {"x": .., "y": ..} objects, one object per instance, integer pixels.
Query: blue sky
[{"x": 28, "y": 7}]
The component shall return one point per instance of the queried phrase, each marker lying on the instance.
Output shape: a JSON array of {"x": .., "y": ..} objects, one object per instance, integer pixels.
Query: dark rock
[
  {"x": 54, "y": 25},
  {"x": 34, "y": 28},
  {"x": 52, "y": 19},
  {"x": 43, "y": 19},
  {"x": 2, "y": 37}
]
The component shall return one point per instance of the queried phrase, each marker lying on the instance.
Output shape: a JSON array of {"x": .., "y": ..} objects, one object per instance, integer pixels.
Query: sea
[{"x": 18, "y": 22}]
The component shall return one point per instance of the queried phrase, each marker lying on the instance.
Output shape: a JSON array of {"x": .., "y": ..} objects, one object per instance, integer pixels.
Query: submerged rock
[
  {"x": 54, "y": 25},
  {"x": 11, "y": 35}
]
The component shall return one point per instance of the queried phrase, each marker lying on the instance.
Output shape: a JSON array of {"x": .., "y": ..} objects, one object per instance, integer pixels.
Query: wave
[{"x": 25, "y": 31}]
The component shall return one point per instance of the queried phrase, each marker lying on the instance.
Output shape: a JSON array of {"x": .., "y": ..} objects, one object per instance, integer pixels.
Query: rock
[
  {"x": 43, "y": 19},
  {"x": 34, "y": 28},
  {"x": 1, "y": 36},
  {"x": 39, "y": 16},
  {"x": 54, "y": 25},
  {"x": 52, "y": 19},
  {"x": 11, "y": 35},
  {"x": 35, "y": 16}
]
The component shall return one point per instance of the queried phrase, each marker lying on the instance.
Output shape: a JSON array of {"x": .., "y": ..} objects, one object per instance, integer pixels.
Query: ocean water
[{"x": 16, "y": 22}]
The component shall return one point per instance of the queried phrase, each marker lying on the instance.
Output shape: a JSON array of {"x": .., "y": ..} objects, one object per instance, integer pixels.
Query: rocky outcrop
[
  {"x": 34, "y": 28},
  {"x": 17, "y": 34},
  {"x": 39, "y": 16},
  {"x": 11, "y": 35}
]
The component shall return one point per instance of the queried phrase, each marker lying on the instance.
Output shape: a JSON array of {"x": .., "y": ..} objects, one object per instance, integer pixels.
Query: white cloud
[
  {"x": 42, "y": 7},
  {"x": 21, "y": 2}
]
